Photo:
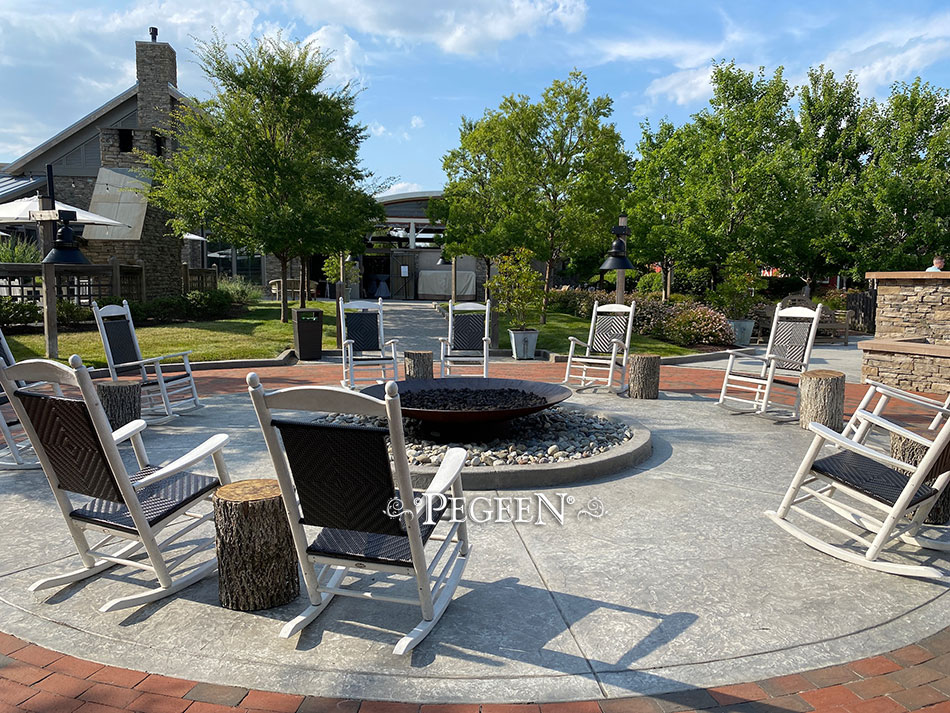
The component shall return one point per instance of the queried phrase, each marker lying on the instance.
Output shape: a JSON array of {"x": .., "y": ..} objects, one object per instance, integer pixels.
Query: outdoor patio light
[
  {"x": 65, "y": 250},
  {"x": 617, "y": 255}
]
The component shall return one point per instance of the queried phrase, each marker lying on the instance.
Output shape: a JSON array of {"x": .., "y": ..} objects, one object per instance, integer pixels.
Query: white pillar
[{"x": 412, "y": 234}]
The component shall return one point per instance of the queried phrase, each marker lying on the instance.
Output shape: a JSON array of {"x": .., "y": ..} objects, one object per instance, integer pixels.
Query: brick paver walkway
[{"x": 912, "y": 678}]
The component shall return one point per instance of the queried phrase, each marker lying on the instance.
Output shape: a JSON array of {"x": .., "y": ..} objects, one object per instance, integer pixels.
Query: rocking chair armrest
[
  {"x": 391, "y": 342},
  {"x": 575, "y": 340},
  {"x": 922, "y": 401},
  {"x": 444, "y": 340},
  {"x": 128, "y": 430},
  {"x": 348, "y": 343},
  {"x": 619, "y": 342},
  {"x": 195, "y": 455},
  {"x": 486, "y": 340},
  {"x": 877, "y": 420},
  {"x": 449, "y": 471},
  {"x": 834, "y": 437}
]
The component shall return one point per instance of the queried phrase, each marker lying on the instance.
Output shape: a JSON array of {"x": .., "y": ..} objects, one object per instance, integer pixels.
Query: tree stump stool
[
  {"x": 257, "y": 562},
  {"x": 821, "y": 399},
  {"x": 418, "y": 365},
  {"x": 912, "y": 452},
  {"x": 644, "y": 376},
  {"x": 121, "y": 400}
]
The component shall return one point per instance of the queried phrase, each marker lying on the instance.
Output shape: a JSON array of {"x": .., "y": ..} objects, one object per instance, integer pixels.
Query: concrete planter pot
[
  {"x": 523, "y": 343},
  {"x": 743, "y": 330}
]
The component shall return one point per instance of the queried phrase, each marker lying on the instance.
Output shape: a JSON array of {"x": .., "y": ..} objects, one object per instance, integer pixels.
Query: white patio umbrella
[{"x": 19, "y": 212}]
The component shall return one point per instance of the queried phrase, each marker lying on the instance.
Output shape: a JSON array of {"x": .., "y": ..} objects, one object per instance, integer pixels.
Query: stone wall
[
  {"x": 911, "y": 345},
  {"x": 913, "y": 372},
  {"x": 913, "y": 308}
]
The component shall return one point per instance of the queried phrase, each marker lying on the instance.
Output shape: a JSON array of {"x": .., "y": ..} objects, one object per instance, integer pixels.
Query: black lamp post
[
  {"x": 65, "y": 250},
  {"x": 617, "y": 256}
]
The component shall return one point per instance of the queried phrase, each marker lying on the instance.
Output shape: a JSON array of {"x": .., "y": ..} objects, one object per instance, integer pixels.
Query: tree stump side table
[
  {"x": 257, "y": 562},
  {"x": 418, "y": 365},
  {"x": 644, "y": 376},
  {"x": 821, "y": 393},
  {"x": 121, "y": 400},
  {"x": 913, "y": 452}
]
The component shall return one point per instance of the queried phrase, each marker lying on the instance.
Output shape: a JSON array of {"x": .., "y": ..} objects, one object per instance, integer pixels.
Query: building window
[
  {"x": 159, "y": 145},
  {"x": 125, "y": 140}
]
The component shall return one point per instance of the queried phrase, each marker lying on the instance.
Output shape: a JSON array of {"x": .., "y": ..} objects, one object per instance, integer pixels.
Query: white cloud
[
  {"x": 377, "y": 129},
  {"x": 401, "y": 187},
  {"x": 417, "y": 122},
  {"x": 683, "y": 87},
  {"x": 457, "y": 26},
  {"x": 348, "y": 56},
  {"x": 682, "y": 53},
  {"x": 896, "y": 52}
]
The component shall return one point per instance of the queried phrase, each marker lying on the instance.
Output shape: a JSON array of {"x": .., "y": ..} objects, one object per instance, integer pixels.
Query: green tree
[
  {"x": 659, "y": 205},
  {"x": 832, "y": 148},
  {"x": 905, "y": 209},
  {"x": 270, "y": 161},
  {"x": 741, "y": 183},
  {"x": 549, "y": 175}
]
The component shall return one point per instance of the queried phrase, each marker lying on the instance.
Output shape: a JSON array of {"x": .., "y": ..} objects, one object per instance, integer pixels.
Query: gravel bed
[{"x": 554, "y": 436}]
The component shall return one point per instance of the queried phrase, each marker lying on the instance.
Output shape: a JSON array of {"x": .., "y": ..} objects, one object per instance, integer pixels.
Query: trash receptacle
[{"x": 308, "y": 334}]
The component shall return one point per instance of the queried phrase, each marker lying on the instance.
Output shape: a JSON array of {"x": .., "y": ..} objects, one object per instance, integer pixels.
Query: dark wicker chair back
[
  {"x": 69, "y": 439},
  {"x": 363, "y": 329},
  {"x": 342, "y": 476},
  {"x": 121, "y": 342},
  {"x": 468, "y": 330}
]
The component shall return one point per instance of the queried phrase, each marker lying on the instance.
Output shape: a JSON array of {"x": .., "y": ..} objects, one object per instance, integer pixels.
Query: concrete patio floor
[{"x": 682, "y": 583}]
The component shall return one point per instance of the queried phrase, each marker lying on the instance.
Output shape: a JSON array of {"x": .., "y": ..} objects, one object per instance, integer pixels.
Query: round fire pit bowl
[{"x": 547, "y": 395}]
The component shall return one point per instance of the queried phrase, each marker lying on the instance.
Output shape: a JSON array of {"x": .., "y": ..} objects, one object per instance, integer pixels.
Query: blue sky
[{"x": 421, "y": 64}]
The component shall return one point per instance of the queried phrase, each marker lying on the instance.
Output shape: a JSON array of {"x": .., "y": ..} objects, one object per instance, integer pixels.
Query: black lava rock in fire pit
[{"x": 471, "y": 399}]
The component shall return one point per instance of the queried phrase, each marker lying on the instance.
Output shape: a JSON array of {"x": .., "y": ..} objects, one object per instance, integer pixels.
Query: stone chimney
[{"x": 156, "y": 67}]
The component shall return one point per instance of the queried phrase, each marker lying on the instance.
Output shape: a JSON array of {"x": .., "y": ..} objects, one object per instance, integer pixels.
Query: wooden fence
[
  {"x": 864, "y": 309},
  {"x": 195, "y": 279},
  {"x": 80, "y": 284}
]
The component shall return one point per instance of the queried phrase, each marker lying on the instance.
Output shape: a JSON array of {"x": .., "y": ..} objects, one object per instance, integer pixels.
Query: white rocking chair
[
  {"x": 607, "y": 349},
  {"x": 162, "y": 391},
  {"x": 362, "y": 328},
  {"x": 355, "y": 495},
  {"x": 17, "y": 452},
  {"x": 468, "y": 341},
  {"x": 789, "y": 350},
  {"x": 870, "y": 489},
  {"x": 80, "y": 456}
]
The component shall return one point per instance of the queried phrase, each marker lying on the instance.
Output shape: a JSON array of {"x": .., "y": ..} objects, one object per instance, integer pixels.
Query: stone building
[{"x": 93, "y": 162}]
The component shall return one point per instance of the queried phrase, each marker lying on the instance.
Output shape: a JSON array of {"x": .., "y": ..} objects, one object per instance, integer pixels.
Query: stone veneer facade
[{"x": 911, "y": 345}]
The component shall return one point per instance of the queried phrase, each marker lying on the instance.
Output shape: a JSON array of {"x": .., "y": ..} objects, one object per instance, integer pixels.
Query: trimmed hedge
[{"x": 14, "y": 312}]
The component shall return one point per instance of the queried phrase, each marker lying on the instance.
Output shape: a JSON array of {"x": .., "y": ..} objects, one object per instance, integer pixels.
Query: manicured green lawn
[
  {"x": 258, "y": 333},
  {"x": 553, "y": 336}
]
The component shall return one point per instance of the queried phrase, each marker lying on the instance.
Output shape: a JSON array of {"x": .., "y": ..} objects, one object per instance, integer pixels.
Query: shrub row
[
  {"x": 681, "y": 321},
  {"x": 203, "y": 306}
]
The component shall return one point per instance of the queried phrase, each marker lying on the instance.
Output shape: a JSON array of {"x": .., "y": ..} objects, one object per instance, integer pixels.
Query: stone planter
[
  {"x": 743, "y": 330},
  {"x": 523, "y": 343}
]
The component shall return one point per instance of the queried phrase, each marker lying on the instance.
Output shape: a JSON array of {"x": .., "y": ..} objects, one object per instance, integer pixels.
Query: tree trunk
[
  {"x": 121, "y": 400},
  {"x": 304, "y": 280},
  {"x": 283, "y": 289},
  {"x": 644, "y": 376},
  {"x": 822, "y": 399},
  {"x": 257, "y": 562},
  {"x": 912, "y": 452},
  {"x": 548, "y": 272},
  {"x": 418, "y": 365}
]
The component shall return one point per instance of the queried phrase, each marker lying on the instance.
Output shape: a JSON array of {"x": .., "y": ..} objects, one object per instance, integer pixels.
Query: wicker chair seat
[
  {"x": 868, "y": 477},
  {"x": 159, "y": 500},
  {"x": 369, "y": 546}
]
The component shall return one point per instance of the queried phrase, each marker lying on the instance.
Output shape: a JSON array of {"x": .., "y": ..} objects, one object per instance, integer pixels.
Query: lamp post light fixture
[
  {"x": 617, "y": 256},
  {"x": 65, "y": 250}
]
